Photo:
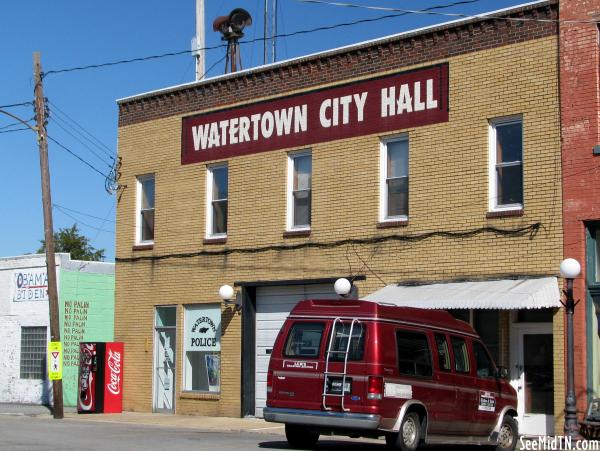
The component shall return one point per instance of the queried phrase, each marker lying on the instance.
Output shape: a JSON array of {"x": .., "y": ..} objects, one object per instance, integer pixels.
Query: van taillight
[
  {"x": 270, "y": 381},
  {"x": 375, "y": 387}
]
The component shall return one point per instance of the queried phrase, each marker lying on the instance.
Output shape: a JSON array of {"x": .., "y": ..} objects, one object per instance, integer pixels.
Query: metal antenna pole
[{"x": 40, "y": 117}]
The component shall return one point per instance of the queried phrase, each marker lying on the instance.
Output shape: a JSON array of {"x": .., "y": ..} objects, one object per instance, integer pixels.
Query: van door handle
[{"x": 268, "y": 351}]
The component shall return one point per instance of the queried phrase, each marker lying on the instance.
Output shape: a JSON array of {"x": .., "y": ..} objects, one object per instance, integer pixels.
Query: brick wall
[
  {"x": 448, "y": 192},
  {"x": 580, "y": 130}
]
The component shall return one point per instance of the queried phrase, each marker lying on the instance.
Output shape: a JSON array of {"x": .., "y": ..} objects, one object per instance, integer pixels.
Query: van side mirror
[{"x": 502, "y": 372}]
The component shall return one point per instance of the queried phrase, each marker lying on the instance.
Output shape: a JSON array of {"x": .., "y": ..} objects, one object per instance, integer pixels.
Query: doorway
[
  {"x": 532, "y": 376},
  {"x": 165, "y": 333}
]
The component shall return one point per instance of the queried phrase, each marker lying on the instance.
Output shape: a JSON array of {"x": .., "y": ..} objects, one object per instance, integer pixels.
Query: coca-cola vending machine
[{"x": 100, "y": 386}]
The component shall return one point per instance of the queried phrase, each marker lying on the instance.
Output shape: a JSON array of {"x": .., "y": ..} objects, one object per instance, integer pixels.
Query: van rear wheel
[
  {"x": 409, "y": 435},
  {"x": 300, "y": 437}
]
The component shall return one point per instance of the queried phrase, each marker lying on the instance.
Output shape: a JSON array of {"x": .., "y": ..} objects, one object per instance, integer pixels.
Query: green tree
[{"x": 70, "y": 240}]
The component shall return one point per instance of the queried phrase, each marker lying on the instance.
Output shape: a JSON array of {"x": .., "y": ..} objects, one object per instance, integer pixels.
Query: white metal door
[
  {"x": 273, "y": 305},
  {"x": 164, "y": 377},
  {"x": 532, "y": 376}
]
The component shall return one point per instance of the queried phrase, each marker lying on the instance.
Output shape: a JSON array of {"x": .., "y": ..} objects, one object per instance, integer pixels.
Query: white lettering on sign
[
  {"x": 329, "y": 112},
  {"x": 408, "y": 99},
  {"x": 243, "y": 129},
  {"x": 114, "y": 379}
]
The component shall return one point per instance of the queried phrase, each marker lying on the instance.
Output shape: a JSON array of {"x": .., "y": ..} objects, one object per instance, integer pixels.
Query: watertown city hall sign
[{"x": 392, "y": 102}]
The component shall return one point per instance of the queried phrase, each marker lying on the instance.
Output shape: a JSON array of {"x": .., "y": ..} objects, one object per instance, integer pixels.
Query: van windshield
[
  {"x": 304, "y": 340},
  {"x": 340, "y": 342}
]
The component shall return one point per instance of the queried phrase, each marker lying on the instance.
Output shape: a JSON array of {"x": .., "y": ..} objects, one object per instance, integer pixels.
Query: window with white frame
[
  {"x": 217, "y": 193},
  {"x": 145, "y": 209},
  {"x": 506, "y": 164},
  {"x": 299, "y": 190},
  {"x": 202, "y": 348},
  {"x": 393, "y": 204},
  {"x": 33, "y": 352}
]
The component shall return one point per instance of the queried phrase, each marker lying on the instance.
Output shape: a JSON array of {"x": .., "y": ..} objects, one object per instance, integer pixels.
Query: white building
[{"x": 24, "y": 322}]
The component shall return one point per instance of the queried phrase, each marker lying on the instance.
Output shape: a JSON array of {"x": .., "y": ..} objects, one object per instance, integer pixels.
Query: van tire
[
  {"x": 508, "y": 434},
  {"x": 300, "y": 437},
  {"x": 409, "y": 435}
]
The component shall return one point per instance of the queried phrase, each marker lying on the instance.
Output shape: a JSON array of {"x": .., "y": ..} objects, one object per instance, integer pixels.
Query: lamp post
[{"x": 570, "y": 269}]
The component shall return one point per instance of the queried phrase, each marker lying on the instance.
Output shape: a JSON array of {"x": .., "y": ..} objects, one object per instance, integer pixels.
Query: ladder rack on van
[{"x": 338, "y": 321}]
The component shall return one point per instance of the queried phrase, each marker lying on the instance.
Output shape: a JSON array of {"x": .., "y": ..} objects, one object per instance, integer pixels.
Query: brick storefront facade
[
  {"x": 580, "y": 134},
  {"x": 497, "y": 68}
]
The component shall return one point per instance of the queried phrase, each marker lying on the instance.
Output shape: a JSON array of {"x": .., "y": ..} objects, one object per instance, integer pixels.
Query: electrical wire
[
  {"x": 92, "y": 139},
  {"x": 60, "y": 207},
  {"x": 88, "y": 164},
  {"x": 78, "y": 221},
  {"x": 530, "y": 230},
  {"x": 16, "y": 105},
  {"x": 14, "y": 123},
  {"x": 260, "y": 39},
  {"x": 459, "y": 15},
  {"x": 57, "y": 121},
  {"x": 14, "y": 130}
]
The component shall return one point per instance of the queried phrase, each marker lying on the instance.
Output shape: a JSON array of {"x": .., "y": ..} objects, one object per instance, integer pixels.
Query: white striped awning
[{"x": 505, "y": 294}]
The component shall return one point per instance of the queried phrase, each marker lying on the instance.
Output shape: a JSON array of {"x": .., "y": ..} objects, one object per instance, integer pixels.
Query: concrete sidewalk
[{"x": 203, "y": 423}]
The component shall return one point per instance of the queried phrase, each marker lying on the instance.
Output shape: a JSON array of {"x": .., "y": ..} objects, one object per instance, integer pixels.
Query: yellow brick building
[{"x": 179, "y": 240}]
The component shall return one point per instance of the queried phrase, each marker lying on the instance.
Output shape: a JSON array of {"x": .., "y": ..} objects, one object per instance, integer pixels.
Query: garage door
[{"x": 273, "y": 305}]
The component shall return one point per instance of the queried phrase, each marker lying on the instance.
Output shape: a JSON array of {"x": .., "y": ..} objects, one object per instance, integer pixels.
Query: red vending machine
[{"x": 100, "y": 387}]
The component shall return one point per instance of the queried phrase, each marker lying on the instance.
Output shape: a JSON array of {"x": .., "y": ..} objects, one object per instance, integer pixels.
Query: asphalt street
[{"x": 21, "y": 432}]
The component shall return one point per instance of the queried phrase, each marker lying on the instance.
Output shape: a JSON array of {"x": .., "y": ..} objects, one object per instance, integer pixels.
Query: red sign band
[{"x": 393, "y": 102}]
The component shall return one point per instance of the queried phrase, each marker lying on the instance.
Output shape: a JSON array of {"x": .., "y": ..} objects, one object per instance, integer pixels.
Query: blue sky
[{"x": 71, "y": 33}]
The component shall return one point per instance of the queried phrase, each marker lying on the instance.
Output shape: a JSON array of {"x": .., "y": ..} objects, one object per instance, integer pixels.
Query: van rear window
[
  {"x": 304, "y": 340},
  {"x": 340, "y": 342},
  {"x": 414, "y": 356}
]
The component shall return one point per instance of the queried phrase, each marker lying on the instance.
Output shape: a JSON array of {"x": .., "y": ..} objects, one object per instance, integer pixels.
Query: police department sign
[
  {"x": 203, "y": 324},
  {"x": 29, "y": 285}
]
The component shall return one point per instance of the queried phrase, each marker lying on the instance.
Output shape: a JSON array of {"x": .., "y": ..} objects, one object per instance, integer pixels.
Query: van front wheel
[
  {"x": 507, "y": 437},
  {"x": 409, "y": 435},
  {"x": 300, "y": 437}
]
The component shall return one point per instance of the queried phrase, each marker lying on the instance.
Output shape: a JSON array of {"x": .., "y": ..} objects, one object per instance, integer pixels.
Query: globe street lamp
[{"x": 570, "y": 269}]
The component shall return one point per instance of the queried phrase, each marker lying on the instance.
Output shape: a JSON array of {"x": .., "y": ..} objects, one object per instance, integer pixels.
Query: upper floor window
[
  {"x": 145, "y": 209},
  {"x": 506, "y": 164},
  {"x": 299, "y": 191},
  {"x": 217, "y": 193},
  {"x": 393, "y": 203}
]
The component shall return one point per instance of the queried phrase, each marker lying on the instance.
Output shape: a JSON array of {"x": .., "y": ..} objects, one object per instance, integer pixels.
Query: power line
[
  {"x": 92, "y": 167},
  {"x": 530, "y": 230},
  {"x": 14, "y": 130},
  {"x": 60, "y": 207},
  {"x": 459, "y": 15},
  {"x": 57, "y": 121},
  {"x": 259, "y": 39},
  {"x": 77, "y": 221},
  {"x": 92, "y": 139},
  {"x": 16, "y": 105}
]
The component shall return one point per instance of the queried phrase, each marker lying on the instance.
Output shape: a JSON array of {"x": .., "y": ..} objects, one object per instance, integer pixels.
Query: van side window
[
  {"x": 340, "y": 342},
  {"x": 461, "y": 356},
  {"x": 443, "y": 352},
  {"x": 414, "y": 356},
  {"x": 304, "y": 340},
  {"x": 485, "y": 367}
]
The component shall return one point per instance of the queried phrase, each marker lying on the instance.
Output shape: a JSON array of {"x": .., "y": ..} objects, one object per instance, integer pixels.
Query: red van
[{"x": 365, "y": 369}]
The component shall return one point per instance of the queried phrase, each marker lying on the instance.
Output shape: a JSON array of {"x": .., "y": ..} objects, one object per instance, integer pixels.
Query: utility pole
[
  {"x": 199, "y": 40},
  {"x": 270, "y": 31},
  {"x": 40, "y": 118}
]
